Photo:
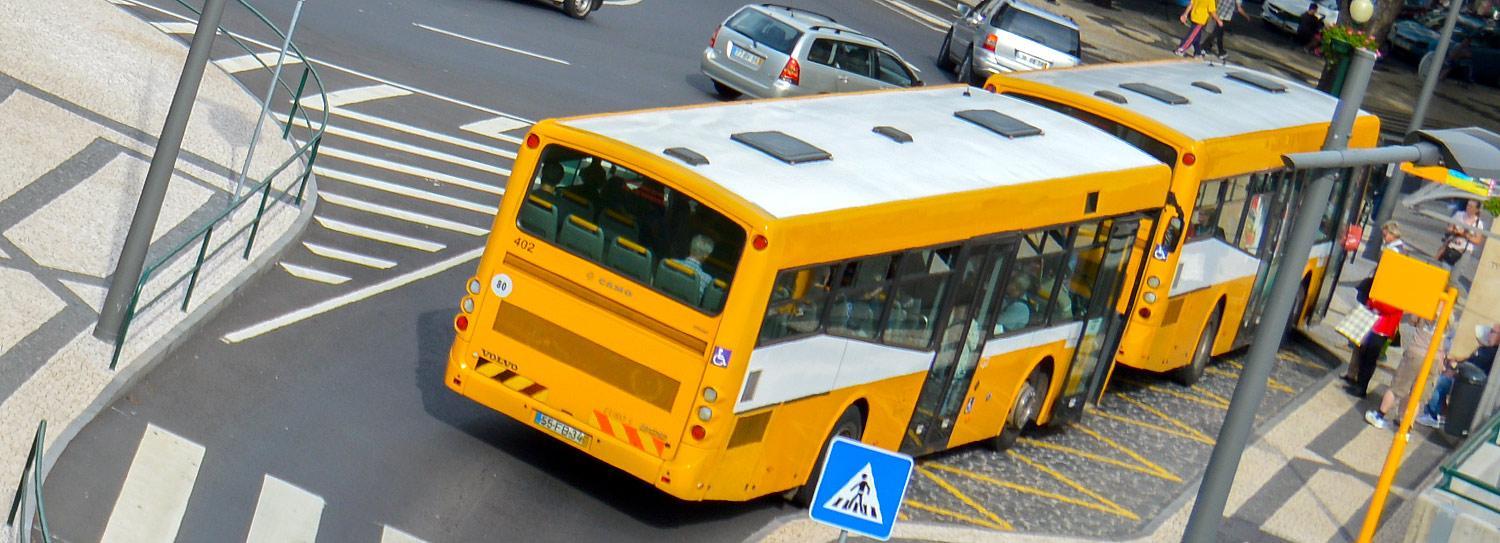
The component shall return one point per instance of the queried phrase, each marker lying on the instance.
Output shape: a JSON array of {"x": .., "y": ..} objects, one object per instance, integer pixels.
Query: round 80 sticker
[{"x": 501, "y": 284}]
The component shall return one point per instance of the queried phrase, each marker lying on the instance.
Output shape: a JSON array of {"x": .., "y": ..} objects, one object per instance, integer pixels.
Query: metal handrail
[
  {"x": 33, "y": 468},
  {"x": 307, "y": 152},
  {"x": 1490, "y": 434}
]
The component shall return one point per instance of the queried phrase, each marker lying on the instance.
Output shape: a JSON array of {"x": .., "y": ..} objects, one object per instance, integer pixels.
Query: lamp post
[{"x": 1360, "y": 11}]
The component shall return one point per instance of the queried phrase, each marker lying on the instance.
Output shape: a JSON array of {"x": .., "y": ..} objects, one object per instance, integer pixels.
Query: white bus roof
[
  {"x": 1239, "y": 108},
  {"x": 946, "y": 155}
]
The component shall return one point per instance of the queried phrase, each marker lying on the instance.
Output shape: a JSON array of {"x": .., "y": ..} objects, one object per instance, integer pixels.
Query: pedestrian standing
[
  {"x": 1226, "y": 10},
  {"x": 1416, "y": 336},
  {"x": 1197, "y": 14},
  {"x": 1460, "y": 240},
  {"x": 1367, "y": 353},
  {"x": 1309, "y": 25}
]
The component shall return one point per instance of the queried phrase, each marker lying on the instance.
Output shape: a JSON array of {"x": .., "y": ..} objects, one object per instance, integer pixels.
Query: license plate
[
  {"x": 562, "y": 430},
  {"x": 745, "y": 55},
  {"x": 1036, "y": 62}
]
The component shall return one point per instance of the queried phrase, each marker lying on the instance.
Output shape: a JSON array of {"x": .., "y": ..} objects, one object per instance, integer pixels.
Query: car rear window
[
  {"x": 1037, "y": 29},
  {"x": 764, "y": 30}
]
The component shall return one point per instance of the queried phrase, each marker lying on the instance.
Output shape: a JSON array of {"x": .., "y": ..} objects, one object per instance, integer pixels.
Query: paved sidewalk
[{"x": 84, "y": 89}]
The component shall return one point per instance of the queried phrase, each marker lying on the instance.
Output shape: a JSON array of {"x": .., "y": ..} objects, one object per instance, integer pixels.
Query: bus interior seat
[
  {"x": 677, "y": 280},
  {"x": 713, "y": 296},
  {"x": 629, "y": 258},
  {"x": 539, "y": 217},
  {"x": 580, "y": 235},
  {"x": 617, "y": 224},
  {"x": 571, "y": 202}
]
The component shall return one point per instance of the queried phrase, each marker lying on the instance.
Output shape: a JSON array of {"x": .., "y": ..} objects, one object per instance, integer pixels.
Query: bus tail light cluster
[
  {"x": 699, "y": 432},
  {"x": 461, "y": 322},
  {"x": 792, "y": 72}
]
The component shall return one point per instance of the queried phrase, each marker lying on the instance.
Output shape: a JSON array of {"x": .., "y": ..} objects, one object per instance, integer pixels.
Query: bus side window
[
  {"x": 797, "y": 302},
  {"x": 1087, "y": 254},
  {"x": 857, "y": 306},
  {"x": 922, "y": 277},
  {"x": 1206, "y": 211},
  {"x": 1056, "y": 268}
]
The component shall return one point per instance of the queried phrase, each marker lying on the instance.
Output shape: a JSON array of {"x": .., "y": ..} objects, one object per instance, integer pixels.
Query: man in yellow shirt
[{"x": 1196, "y": 16}]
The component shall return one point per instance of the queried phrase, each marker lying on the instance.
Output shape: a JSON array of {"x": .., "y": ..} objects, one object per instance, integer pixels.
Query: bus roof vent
[
  {"x": 1111, "y": 96},
  {"x": 999, "y": 123},
  {"x": 688, "y": 156},
  {"x": 1210, "y": 87},
  {"x": 785, "y": 148},
  {"x": 1161, "y": 95},
  {"x": 893, "y": 133},
  {"x": 1255, "y": 80}
]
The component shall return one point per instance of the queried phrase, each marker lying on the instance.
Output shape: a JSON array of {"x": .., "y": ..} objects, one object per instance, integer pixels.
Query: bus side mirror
[{"x": 1172, "y": 237}]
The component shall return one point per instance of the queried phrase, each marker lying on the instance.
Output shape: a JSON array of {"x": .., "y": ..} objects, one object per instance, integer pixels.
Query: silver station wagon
[{"x": 767, "y": 51}]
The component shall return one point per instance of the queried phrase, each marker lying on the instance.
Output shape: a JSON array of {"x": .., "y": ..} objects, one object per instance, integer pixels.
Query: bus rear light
[
  {"x": 1144, "y": 313},
  {"x": 792, "y": 72},
  {"x": 760, "y": 242},
  {"x": 467, "y": 305},
  {"x": 1149, "y": 297},
  {"x": 532, "y": 141},
  {"x": 474, "y": 286},
  {"x": 990, "y": 41},
  {"x": 1189, "y": 159},
  {"x": 710, "y": 395},
  {"x": 698, "y": 432},
  {"x": 705, "y": 413},
  {"x": 461, "y": 322},
  {"x": 714, "y": 39},
  {"x": 990, "y": 88},
  {"x": 1153, "y": 282}
]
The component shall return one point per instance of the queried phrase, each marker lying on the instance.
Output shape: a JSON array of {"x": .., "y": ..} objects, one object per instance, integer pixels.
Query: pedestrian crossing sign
[{"x": 861, "y": 488}]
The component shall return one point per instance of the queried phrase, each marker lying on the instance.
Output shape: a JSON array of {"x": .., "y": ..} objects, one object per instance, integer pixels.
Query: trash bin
[{"x": 1463, "y": 400}]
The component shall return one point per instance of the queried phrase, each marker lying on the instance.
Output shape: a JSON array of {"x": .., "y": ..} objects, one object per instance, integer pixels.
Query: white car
[
  {"x": 998, "y": 36},
  {"x": 1285, "y": 14}
]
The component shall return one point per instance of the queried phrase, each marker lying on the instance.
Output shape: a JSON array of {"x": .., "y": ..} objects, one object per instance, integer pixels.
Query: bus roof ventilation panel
[
  {"x": 895, "y": 134},
  {"x": 1210, "y": 87},
  {"x": 687, "y": 156},
  {"x": 781, "y": 146},
  {"x": 999, "y": 123},
  {"x": 1257, "y": 81},
  {"x": 1111, "y": 96},
  {"x": 1161, "y": 95}
]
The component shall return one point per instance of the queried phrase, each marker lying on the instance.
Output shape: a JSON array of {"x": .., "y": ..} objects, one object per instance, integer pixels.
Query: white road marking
[
  {"x": 401, "y": 214},
  {"x": 349, "y": 71},
  {"x": 492, "y": 44},
  {"x": 285, "y": 514},
  {"x": 351, "y": 297},
  {"x": 403, "y": 190},
  {"x": 380, "y": 235},
  {"x": 344, "y": 97},
  {"x": 409, "y": 129},
  {"x": 350, "y": 257},
  {"x": 155, "y": 494},
  {"x": 411, "y": 170},
  {"x": 403, "y": 147},
  {"x": 621, "y": 2},
  {"x": 495, "y": 128},
  {"x": 919, "y": 16},
  {"x": 176, "y": 28},
  {"x": 245, "y": 63},
  {"x": 392, "y": 535},
  {"x": 303, "y": 272}
]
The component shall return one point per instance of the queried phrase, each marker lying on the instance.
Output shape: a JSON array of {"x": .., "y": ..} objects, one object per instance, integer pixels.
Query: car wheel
[
  {"x": 1188, "y": 375},
  {"x": 726, "y": 91},
  {"x": 966, "y": 70},
  {"x": 850, "y": 425},
  {"x": 943, "y": 60},
  {"x": 578, "y": 9},
  {"x": 1023, "y": 412}
]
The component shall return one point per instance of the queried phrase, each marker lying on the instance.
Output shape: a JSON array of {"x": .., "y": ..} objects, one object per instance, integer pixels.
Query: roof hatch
[
  {"x": 999, "y": 123},
  {"x": 1210, "y": 87},
  {"x": 689, "y": 156},
  {"x": 1111, "y": 96},
  {"x": 1161, "y": 95},
  {"x": 781, "y": 146},
  {"x": 1258, "y": 81},
  {"x": 894, "y": 133}
]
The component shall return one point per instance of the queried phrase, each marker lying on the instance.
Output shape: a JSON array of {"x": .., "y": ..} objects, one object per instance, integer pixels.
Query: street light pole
[
  {"x": 163, "y": 162},
  {"x": 1418, "y": 116},
  {"x": 1208, "y": 509}
]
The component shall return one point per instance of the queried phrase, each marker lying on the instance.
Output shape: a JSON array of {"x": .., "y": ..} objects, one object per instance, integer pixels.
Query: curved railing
[
  {"x": 26, "y": 510},
  {"x": 260, "y": 191}
]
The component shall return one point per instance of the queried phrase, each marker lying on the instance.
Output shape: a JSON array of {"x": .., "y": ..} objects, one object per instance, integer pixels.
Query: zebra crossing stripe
[
  {"x": 401, "y": 214},
  {"x": 403, "y": 190},
  {"x": 285, "y": 514},
  {"x": 415, "y": 131},
  {"x": 351, "y": 156},
  {"x": 496, "y": 128},
  {"x": 176, "y": 28},
  {"x": 403, "y": 147},
  {"x": 355, "y": 95},
  {"x": 245, "y": 63},
  {"x": 379, "y": 235},
  {"x": 155, "y": 494},
  {"x": 346, "y": 256},
  {"x": 392, "y": 535},
  {"x": 310, "y": 274}
]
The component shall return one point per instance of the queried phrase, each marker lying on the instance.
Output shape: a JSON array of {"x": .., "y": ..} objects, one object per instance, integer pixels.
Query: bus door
[
  {"x": 1101, "y": 324},
  {"x": 1275, "y": 195},
  {"x": 971, "y": 301}
]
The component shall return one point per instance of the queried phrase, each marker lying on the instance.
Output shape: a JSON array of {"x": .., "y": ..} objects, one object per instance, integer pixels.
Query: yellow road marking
[
  {"x": 1156, "y": 427},
  {"x": 1211, "y": 402},
  {"x": 954, "y": 514},
  {"x": 1097, "y": 458},
  {"x": 1300, "y": 361},
  {"x": 1128, "y": 452},
  {"x": 1024, "y": 489},
  {"x": 1163, "y": 416},
  {"x": 1271, "y": 383},
  {"x": 1121, "y": 511},
  {"x": 964, "y": 498}
]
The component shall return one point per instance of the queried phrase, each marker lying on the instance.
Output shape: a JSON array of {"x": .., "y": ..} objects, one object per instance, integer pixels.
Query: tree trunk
[{"x": 1380, "y": 22}]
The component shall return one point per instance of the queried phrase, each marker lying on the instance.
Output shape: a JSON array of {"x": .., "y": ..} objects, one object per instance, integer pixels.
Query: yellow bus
[
  {"x": 1223, "y": 129},
  {"x": 704, "y": 296}
]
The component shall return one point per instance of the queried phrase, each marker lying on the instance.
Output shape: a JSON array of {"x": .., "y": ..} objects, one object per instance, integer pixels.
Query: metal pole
[
  {"x": 1208, "y": 509},
  {"x": 265, "y": 105},
  {"x": 133, "y": 256},
  {"x": 1418, "y": 116}
]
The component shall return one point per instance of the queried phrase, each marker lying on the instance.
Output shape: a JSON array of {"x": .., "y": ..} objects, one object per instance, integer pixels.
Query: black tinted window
[
  {"x": 892, "y": 71},
  {"x": 764, "y": 30}
]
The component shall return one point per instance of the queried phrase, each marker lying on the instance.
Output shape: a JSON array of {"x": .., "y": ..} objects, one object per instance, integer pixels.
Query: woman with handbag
[
  {"x": 1387, "y": 318},
  {"x": 1461, "y": 239}
]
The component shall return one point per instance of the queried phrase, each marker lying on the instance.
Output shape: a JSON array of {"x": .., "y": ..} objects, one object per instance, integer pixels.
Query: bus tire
[
  {"x": 851, "y": 424},
  {"x": 1023, "y": 412},
  {"x": 1188, "y": 375},
  {"x": 578, "y": 9},
  {"x": 944, "y": 61}
]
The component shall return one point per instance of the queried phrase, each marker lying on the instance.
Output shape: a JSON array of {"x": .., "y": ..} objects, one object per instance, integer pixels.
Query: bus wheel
[
  {"x": 1189, "y": 374},
  {"x": 851, "y": 425},
  {"x": 1023, "y": 412}
]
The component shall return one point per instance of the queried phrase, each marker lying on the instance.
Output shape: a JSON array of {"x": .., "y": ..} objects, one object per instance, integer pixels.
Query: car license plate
[
  {"x": 745, "y": 55},
  {"x": 566, "y": 432},
  {"x": 1036, "y": 62}
]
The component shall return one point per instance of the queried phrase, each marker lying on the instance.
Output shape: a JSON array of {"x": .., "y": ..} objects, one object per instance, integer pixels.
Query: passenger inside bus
[{"x": 1016, "y": 306}]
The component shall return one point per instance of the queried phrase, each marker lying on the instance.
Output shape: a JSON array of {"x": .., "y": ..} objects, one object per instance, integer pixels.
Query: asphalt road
[{"x": 325, "y": 374}]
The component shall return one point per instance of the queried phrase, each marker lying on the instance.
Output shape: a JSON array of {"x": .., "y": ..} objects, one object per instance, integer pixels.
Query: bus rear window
[{"x": 633, "y": 225}]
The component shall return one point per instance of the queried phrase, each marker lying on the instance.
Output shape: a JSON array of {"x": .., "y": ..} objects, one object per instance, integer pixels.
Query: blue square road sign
[{"x": 861, "y": 488}]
